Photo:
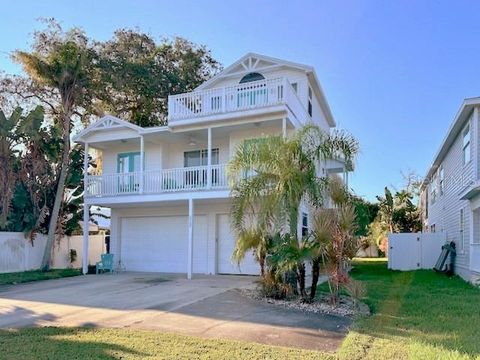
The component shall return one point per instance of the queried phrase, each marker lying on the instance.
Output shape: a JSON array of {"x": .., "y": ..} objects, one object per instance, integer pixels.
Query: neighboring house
[
  {"x": 167, "y": 187},
  {"x": 450, "y": 194}
]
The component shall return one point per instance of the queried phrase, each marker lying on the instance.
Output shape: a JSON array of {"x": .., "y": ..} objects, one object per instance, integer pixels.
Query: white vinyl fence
[
  {"x": 412, "y": 251},
  {"x": 18, "y": 254}
]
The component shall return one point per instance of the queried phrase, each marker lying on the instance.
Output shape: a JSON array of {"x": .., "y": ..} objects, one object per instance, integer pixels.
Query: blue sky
[{"x": 394, "y": 72}]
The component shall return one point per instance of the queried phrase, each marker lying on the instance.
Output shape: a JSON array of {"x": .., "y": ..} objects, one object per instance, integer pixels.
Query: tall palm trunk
[
  {"x": 315, "y": 277},
  {"x": 59, "y": 194}
]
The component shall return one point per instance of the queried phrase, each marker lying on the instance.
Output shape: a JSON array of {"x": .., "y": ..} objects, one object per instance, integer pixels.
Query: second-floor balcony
[
  {"x": 158, "y": 181},
  {"x": 241, "y": 97}
]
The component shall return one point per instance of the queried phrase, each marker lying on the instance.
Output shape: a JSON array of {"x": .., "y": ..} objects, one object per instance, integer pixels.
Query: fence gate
[{"x": 412, "y": 251}]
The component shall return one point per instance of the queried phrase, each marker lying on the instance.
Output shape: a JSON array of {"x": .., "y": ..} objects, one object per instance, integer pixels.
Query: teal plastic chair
[{"x": 106, "y": 264}]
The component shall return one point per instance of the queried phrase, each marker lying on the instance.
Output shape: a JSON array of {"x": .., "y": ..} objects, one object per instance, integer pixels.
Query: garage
[
  {"x": 225, "y": 247},
  {"x": 160, "y": 244}
]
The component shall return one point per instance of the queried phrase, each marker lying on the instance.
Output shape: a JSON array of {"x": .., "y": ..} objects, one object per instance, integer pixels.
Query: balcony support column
[
  {"x": 190, "y": 239},
  {"x": 142, "y": 163},
  {"x": 209, "y": 158},
  {"x": 284, "y": 128},
  {"x": 86, "y": 214}
]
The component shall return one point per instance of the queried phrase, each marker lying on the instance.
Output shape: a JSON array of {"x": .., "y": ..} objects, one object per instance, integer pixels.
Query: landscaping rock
[{"x": 345, "y": 307}]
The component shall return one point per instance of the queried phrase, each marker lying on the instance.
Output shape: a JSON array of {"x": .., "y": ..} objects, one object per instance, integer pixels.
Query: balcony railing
[
  {"x": 158, "y": 181},
  {"x": 251, "y": 95}
]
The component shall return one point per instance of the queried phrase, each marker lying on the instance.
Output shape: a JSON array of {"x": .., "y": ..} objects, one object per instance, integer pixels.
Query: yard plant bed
[
  {"x": 36, "y": 275},
  {"x": 320, "y": 305}
]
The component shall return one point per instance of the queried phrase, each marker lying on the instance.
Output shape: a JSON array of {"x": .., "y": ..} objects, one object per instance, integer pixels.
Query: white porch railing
[
  {"x": 251, "y": 95},
  {"x": 158, "y": 181}
]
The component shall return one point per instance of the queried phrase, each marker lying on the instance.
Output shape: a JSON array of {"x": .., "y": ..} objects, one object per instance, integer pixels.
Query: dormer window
[{"x": 252, "y": 77}]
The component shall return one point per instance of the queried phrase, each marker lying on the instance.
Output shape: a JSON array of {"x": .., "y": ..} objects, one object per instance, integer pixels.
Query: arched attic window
[{"x": 254, "y": 76}]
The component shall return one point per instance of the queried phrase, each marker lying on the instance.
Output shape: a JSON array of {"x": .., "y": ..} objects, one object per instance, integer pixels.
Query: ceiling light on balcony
[{"x": 192, "y": 142}]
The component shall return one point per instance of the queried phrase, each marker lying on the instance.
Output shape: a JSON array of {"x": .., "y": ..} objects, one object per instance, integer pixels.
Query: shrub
[
  {"x": 273, "y": 287},
  {"x": 356, "y": 290}
]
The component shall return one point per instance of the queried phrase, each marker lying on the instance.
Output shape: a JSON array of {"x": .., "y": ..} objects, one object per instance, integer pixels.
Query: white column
[
  {"x": 142, "y": 161},
  {"x": 86, "y": 217},
  {"x": 190, "y": 238},
  {"x": 284, "y": 128},
  {"x": 209, "y": 159}
]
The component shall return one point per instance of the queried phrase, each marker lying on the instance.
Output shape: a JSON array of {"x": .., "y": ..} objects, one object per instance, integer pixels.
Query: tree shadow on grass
[{"x": 61, "y": 343}]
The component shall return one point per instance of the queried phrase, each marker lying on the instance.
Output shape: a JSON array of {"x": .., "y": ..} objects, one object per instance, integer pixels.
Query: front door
[{"x": 128, "y": 168}]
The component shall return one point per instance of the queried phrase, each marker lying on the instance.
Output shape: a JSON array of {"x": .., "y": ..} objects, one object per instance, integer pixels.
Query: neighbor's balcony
[
  {"x": 158, "y": 181},
  {"x": 242, "y": 97}
]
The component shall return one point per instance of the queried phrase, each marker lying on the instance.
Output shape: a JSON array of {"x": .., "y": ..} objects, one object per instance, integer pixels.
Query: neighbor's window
[
  {"x": 310, "y": 95},
  {"x": 432, "y": 228},
  {"x": 304, "y": 224},
  {"x": 442, "y": 181},
  {"x": 462, "y": 232},
  {"x": 466, "y": 145},
  {"x": 433, "y": 190}
]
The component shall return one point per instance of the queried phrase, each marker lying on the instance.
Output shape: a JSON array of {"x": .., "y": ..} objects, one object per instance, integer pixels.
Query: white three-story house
[{"x": 167, "y": 187}]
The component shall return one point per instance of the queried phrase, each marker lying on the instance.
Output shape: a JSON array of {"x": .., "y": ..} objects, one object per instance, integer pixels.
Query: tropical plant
[
  {"x": 270, "y": 178},
  {"x": 356, "y": 290},
  {"x": 62, "y": 69},
  {"x": 334, "y": 231},
  {"x": 8, "y": 175}
]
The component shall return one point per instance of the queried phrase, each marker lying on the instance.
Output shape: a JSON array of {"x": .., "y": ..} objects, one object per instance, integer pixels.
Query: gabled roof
[
  {"x": 252, "y": 62},
  {"x": 106, "y": 122},
  {"x": 455, "y": 128}
]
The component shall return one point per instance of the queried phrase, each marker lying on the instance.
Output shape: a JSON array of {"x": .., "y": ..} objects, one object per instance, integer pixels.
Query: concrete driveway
[{"x": 207, "y": 306}]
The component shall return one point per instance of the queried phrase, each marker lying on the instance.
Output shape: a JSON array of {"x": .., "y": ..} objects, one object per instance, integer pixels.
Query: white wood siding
[{"x": 444, "y": 213}]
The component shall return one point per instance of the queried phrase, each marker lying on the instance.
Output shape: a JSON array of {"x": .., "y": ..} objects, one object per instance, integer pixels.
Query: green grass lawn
[
  {"x": 416, "y": 315},
  {"x": 26, "y": 276}
]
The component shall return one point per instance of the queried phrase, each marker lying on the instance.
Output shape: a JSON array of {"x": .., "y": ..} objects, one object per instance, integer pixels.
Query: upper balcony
[{"x": 273, "y": 94}]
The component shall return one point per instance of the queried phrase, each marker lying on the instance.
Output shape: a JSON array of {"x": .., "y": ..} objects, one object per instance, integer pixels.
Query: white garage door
[
  {"x": 226, "y": 244},
  {"x": 161, "y": 244}
]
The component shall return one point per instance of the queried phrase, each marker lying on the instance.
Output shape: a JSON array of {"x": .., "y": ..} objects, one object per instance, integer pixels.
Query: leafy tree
[
  {"x": 366, "y": 212},
  {"x": 136, "y": 74}
]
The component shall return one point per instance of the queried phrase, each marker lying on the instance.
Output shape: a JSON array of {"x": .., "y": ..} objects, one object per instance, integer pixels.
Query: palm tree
[
  {"x": 334, "y": 231},
  {"x": 63, "y": 70},
  {"x": 271, "y": 177}
]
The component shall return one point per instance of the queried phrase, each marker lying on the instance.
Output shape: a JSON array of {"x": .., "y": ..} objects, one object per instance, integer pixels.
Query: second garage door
[
  {"x": 160, "y": 244},
  {"x": 225, "y": 247}
]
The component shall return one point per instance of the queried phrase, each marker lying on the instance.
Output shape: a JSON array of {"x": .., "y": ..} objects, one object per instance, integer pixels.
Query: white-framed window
[
  {"x": 304, "y": 224},
  {"x": 310, "y": 97},
  {"x": 466, "y": 145},
  {"x": 462, "y": 231},
  {"x": 442, "y": 181},
  {"x": 199, "y": 157},
  {"x": 432, "y": 228}
]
